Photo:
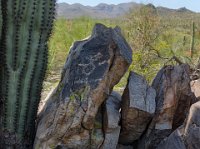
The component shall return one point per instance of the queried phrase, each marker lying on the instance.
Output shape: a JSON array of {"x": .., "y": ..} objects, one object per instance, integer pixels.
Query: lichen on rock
[{"x": 93, "y": 67}]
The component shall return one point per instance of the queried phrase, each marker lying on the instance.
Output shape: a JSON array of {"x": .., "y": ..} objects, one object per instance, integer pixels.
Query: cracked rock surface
[
  {"x": 111, "y": 121},
  {"x": 173, "y": 101},
  {"x": 138, "y": 107},
  {"x": 186, "y": 136},
  {"x": 93, "y": 67}
]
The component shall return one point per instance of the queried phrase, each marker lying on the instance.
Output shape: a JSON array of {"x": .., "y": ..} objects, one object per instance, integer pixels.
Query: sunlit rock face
[
  {"x": 188, "y": 135},
  {"x": 93, "y": 67},
  {"x": 173, "y": 100},
  {"x": 138, "y": 107}
]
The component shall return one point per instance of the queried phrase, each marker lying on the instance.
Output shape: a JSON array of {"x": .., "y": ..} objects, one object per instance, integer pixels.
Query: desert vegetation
[
  {"x": 126, "y": 81},
  {"x": 156, "y": 36}
]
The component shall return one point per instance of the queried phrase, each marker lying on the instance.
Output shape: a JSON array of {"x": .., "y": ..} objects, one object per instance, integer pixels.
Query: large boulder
[
  {"x": 138, "y": 107},
  {"x": 93, "y": 67},
  {"x": 186, "y": 136},
  {"x": 173, "y": 100},
  {"x": 111, "y": 121}
]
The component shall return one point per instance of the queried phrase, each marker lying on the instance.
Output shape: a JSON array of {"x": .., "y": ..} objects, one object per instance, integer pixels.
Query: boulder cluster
[{"x": 84, "y": 112}]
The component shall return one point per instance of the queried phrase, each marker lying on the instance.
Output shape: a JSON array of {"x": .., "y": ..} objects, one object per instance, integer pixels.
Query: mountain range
[{"x": 103, "y": 10}]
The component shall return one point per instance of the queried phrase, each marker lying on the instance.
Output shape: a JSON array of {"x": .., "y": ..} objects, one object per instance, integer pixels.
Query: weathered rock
[
  {"x": 195, "y": 86},
  {"x": 111, "y": 121},
  {"x": 97, "y": 134},
  {"x": 187, "y": 136},
  {"x": 138, "y": 107},
  {"x": 97, "y": 138},
  {"x": 173, "y": 100},
  {"x": 120, "y": 146},
  {"x": 192, "y": 128},
  {"x": 93, "y": 67},
  {"x": 174, "y": 141},
  {"x": 111, "y": 139}
]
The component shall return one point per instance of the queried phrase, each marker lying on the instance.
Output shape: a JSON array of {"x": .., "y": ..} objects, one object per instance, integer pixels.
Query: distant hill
[{"x": 102, "y": 10}]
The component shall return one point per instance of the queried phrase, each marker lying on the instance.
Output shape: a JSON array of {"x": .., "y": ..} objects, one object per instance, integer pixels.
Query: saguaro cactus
[{"x": 26, "y": 28}]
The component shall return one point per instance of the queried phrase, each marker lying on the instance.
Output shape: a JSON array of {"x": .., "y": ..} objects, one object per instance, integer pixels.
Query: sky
[{"x": 190, "y": 4}]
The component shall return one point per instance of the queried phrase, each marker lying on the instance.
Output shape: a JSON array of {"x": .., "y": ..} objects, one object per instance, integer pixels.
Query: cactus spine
[{"x": 26, "y": 27}]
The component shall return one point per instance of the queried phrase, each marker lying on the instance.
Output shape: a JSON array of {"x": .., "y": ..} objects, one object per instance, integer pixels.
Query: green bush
[{"x": 154, "y": 38}]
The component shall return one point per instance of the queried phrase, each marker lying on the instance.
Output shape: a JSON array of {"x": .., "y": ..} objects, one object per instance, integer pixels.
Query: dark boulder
[
  {"x": 93, "y": 67},
  {"x": 186, "y": 136},
  {"x": 173, "y": 100}
]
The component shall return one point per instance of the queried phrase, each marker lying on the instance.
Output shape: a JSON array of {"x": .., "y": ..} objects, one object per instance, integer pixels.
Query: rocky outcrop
[
  {"x": 138, "y": 107},
  {"x": 111, "y": 121},
  {"x": 195, "y": 86},
  {"x": 187, "y": 136},
  {"x": 83, "y": 111},
  {"x": 93, "y": 67},
  {"x": 174, "y": 141},
  {"x": 173, "y": 100},
  {"x": 192, "y": 128}
]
